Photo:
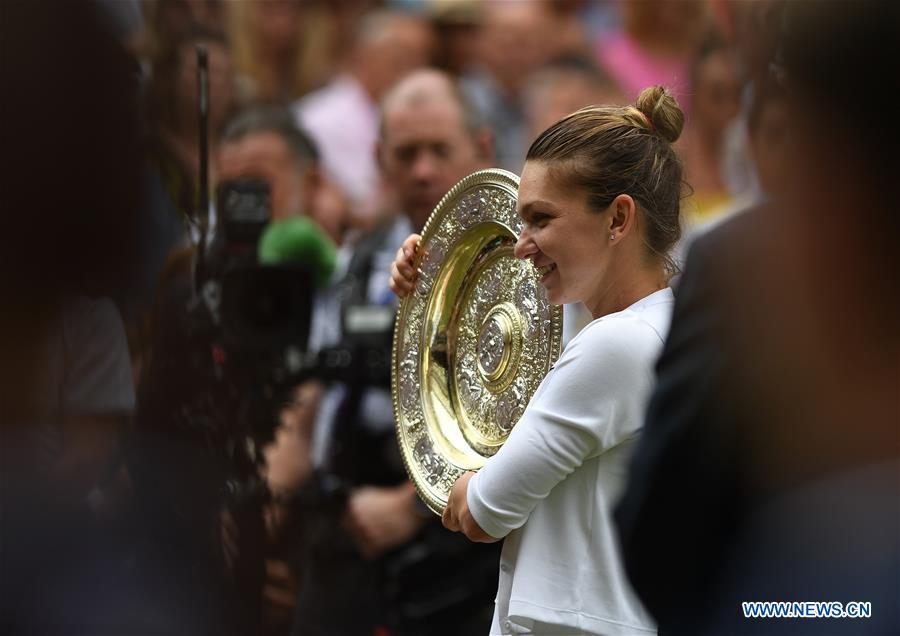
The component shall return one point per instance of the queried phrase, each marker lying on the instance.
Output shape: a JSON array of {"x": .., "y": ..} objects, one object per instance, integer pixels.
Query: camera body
[{"x": 257, "y": 317}]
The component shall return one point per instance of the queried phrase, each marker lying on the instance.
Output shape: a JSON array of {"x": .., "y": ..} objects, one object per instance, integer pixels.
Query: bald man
[
  {"x": 405, "y": 572},
  {"x": 430, "y": 138}
]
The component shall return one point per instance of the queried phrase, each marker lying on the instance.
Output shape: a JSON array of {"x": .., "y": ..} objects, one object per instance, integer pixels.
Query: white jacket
[{"x": 551, "y": 489}]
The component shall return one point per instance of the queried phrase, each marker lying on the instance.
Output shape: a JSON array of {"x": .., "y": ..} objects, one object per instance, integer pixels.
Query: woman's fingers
[
  {"x": 401, "y": 284},
  {"x": 403, "y": 274},
  {"x": 411, "y": 246},
  {"x": 405, "y": 270},
  {"x": 448, "y": 519}
]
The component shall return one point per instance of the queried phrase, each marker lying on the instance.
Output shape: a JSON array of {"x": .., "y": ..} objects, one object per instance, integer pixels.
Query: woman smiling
[{"x": 600, "y": 197}]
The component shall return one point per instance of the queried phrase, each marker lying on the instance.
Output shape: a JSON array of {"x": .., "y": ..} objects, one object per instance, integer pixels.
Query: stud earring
[{"x": 612, "y": 237}]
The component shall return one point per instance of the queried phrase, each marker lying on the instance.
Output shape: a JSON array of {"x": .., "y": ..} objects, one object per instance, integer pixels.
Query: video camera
[
  {"x": 258, "y": 287},
  {"x": 254, "y": 318}
]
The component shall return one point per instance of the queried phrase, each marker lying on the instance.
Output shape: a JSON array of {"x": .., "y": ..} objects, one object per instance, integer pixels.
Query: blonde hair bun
[{"x": 662, "y": 111}]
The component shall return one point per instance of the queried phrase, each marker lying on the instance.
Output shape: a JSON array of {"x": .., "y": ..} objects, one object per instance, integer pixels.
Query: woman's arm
[
  {"x": 457, "y": 517},
  {"x": 589, "y": 403}
]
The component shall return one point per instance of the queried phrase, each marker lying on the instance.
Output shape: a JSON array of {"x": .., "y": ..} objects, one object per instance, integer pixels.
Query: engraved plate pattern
[{"x": 491, "y": 409}]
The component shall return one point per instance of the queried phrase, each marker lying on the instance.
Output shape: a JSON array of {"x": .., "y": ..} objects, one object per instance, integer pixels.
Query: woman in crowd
[
  {"x": 600, "y": 198},
  {"x": 655, "y": 45},
  {"x": 282, "y": 50},
  {"x": 715, "y": 102}
]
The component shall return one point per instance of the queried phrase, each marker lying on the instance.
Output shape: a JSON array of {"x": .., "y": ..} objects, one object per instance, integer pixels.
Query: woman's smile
[
  {"x": 565, "y": 240},
  {"x": 545, "y": 271}
]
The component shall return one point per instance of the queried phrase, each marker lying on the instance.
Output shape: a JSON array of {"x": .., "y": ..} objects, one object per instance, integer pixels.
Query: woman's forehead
[{"x": 539, "y": 181}]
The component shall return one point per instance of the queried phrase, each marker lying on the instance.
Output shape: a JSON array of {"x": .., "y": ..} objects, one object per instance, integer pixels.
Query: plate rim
[{"x": 489, "y": 176}]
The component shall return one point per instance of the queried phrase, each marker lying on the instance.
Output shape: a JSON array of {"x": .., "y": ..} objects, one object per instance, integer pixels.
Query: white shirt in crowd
[
  {"x": 551, "y": 488},
  {"x": 343, "y": 121}
]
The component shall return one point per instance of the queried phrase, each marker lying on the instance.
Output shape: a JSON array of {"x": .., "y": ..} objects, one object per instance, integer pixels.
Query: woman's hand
[
  {"x": 456, "y": 515},
  {"x": 403, "y": 274}
]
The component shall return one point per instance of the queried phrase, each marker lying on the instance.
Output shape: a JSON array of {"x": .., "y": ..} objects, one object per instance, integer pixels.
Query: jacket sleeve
[{"x": 590, "y": 402}]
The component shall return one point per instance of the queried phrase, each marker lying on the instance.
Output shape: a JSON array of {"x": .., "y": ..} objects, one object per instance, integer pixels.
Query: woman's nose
[{"x": 525, "y": 247}]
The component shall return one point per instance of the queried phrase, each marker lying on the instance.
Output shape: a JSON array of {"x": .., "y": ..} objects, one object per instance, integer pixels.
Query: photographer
[
  {"x": 391, "y": 566},
  {"x": 232, "y": 330}
]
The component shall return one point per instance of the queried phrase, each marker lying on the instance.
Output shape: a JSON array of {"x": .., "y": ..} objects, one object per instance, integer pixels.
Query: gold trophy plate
[{"x": 473, "y": 340}]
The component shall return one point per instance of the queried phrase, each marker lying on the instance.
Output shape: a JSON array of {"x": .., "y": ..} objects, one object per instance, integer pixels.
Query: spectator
[
  {"x": 565, "y": 20},
  {"x": 512, "y": 44},
  {"x": 282, "y": 49},
  {"x": 562, "y": 86},
  {"x": 342, "y": 117},
  {"x": 380, "y": 570},
  {"x": 223, "y": 580},
  {"x": 754, "y": 34},
  {"x": 655, "y": 46},
  {"x": 768, "y": 142},
  {"x": 715, "y": 103},
  {"x": 264, "y": 143},
  {"x": 456, "y": 27},
  {"x": 169, "y": 19}
]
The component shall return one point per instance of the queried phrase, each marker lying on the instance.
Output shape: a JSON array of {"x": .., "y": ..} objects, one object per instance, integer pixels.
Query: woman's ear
[{"x": 622, "y": 217}]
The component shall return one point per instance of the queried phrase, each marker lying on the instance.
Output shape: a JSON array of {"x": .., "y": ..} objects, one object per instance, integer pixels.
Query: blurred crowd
[
  {"x": 522, "y": 64},
  {"x": 359, "y": 115}
]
